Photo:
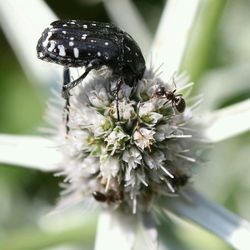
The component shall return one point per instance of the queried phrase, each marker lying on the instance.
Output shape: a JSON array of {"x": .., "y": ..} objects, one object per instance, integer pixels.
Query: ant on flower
[{"x": 177, "y": 100}]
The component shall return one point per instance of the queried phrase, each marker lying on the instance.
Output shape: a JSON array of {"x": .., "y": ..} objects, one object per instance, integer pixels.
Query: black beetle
[{"x": 76, "y": 43}]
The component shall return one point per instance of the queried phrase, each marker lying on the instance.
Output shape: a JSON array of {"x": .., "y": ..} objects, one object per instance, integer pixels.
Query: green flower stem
[
  {"x": 203, "y": 33},
  {"x": 34, "y": 238}
]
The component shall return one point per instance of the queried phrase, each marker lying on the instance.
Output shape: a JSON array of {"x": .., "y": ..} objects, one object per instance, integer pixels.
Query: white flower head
[{"x": 145, "y": 154}]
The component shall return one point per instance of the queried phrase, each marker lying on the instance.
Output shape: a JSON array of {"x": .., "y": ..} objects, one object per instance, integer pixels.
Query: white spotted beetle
[{"x": 76, "y": 43}]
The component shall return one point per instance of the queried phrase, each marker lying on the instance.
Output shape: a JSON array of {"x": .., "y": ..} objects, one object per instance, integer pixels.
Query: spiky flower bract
[{"x": 131, "y": 163}]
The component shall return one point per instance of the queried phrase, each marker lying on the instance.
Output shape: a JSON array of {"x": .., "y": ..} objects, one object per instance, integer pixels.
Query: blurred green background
[{"x": 218, "y": 60}]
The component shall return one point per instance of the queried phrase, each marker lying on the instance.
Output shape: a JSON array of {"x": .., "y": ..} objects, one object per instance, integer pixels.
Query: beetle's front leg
[
  {"x": 117, "y": 89},
  {"x": 94, "y": 64},
  {"x": 66, "y": 80}
]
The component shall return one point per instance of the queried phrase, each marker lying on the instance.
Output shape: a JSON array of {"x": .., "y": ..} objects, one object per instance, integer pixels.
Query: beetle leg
[
  {"x": 166, "y": 102},
  {"x": 118, "y": 86},
  {"x": 66, "y": 80},
  {"x": 94, "y": 64}
]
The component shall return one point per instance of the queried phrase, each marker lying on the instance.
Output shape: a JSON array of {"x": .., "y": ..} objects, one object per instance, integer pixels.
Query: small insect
[
  {"x": 76, "y": 43},
  {"x": 180, "y": 180},
  {"x": 177, "y": 100},
  {"x": 111, "y": 196},
  {"x": 101, "y": 197}
]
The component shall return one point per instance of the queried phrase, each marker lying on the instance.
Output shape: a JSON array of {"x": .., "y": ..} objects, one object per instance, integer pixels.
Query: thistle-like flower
[
  {"x": 147, "y": 157},
  {"x": 127, "y": 164}
]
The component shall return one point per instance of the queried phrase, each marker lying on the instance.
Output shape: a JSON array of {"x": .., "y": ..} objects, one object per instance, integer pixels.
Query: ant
[{"x": 177, "y": 100}]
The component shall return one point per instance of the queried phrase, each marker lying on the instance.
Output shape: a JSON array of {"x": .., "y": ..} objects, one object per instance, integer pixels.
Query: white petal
[
  {"x": 228, "y": 122},
  {"x": 236, "y": 77},
  {"x": 125, "y": 232},
  {"x": 115, "y": 231},
  {"x": 213, "y": 217},
  {"x": 173, "y": 34},
  {"x": 29, "y": 151},
  {"x": 126, "y": 15},
  {"x": 23, "y": 22},
  {"x": 147, "y": 236}
]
